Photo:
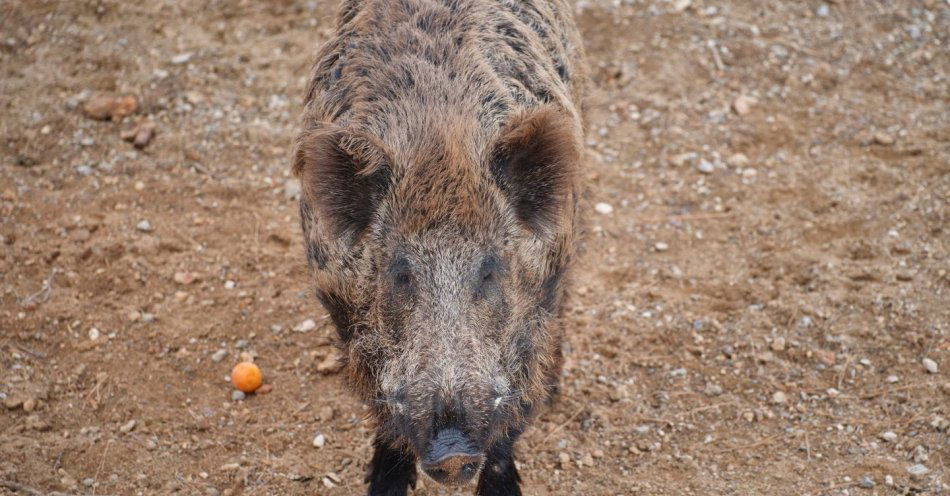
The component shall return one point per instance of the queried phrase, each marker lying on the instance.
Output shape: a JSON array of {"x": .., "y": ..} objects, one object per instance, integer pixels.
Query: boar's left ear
[
  {"x": 344, "y": 174},
  {"x": 534, "y": 162}
]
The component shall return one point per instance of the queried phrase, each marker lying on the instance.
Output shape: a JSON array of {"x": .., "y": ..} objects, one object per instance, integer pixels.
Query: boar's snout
[{"x": 451, "y": 458}]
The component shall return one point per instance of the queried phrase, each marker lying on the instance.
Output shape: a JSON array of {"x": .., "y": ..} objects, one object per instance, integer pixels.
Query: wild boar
[{"x": 439, "y": 159}]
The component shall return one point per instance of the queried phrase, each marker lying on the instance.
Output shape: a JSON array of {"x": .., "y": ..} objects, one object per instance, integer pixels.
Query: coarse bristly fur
[{"x": 439, "y": 158}]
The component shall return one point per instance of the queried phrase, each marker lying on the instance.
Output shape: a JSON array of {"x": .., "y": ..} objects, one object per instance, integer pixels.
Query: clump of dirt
[{"x": 763, "y": 307}]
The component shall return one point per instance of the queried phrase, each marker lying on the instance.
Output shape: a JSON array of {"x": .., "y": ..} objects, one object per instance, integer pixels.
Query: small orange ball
[{"x": 246, "y": 377}]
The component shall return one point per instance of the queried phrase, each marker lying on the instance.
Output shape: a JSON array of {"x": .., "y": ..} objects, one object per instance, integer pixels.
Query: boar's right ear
[
  {"x": 534, "y": 162},
  {"x": 344, "y": 174}
]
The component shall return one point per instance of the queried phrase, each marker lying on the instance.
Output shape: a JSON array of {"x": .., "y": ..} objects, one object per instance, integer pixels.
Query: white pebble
[
  {"x": 918, "y": 469},
  {"x": 661, "y": 246},
  {"x": 889, "y": 436},
  {"x": 930, "y": 365},
  {"x": 822, "y": 10},
  {"x": 706, "y": 167},
  {"x": 603, "y": 208},
  {"x": 93, "y": 334},
  {"x": 229, "y": 284},
  {"x": 219, "y": 355},
  {"x": 306, "y": 326},
  {"x": 181, "y": 58},
  {"x": 319, "y": 441},
  {"x": 778, "y": 398},
  {"x": 891, "y": 379},
  {"x": 144, "y": 226},
  {"x": 237, "y": 395}
]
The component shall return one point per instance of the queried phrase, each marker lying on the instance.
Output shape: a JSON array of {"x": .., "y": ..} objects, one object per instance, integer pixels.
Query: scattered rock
[
  {"x": 930, "y": 365},
  {"x": 889, "y": 436},
  {"x": 94, "y": 334},
  {"x": 891, "y": 379},
  {"x": 230, "y": 467},
  {"x": 563, "y": 459},
  {"x": 603, "y": 208},
  {"x": 661, "y": 246},
  {"x": 883, "y": 138},
  {"x": 888, "y": 480},
  {"x": 185, "y": 278},
  {"x": 826, "y": 357},
  {"x": 778, "y": 398},
  {"x": 918, "y": 470},
  {"x": 306, "y": 326},
  {"x": 705, "y": 167},
  {"x": 331, "y": 364},
  {"x": 29, "y": 405},
  {"x": 229, "y": 284},
  {"x": 265, "y": 389},
  {"x": 110, "y": 107},
  {"x": 866, "y": 482},
  {"x": 778, "y": 344},
  {"x": 738, "y": 160},
  {"x": 88, "y": 481},
  {"x": 219, "y": 355},
  {"x": 237, "y": 395},
  {"x": 181, "y": 58},
  {"x": 144, "y": 226},
  {"x": 319, "y": 441},
  {"x": 712, "y": 389},
  {"x": 141, "y": 135},
  {"x": 743, "y": 104},
  {"x": 127, "y": 427},
  {"x": 681, "y": 5}
]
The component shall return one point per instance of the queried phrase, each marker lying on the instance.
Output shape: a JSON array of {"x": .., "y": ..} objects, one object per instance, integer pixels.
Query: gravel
[
  {"x": 603, "y": 208},
  {"x": 866, "y": 482},
  {"x": 918, "y": 469},
  {"x": 319, "y": 441},
  {"x": 930, "y": 365},
  {"x": 219, "y": 355},
  {"x": 705, "y": 167},
  {"x": 306, "y": 326},
  {"x": 889, "y": 436},
  {"x": 127, "y": 427},
  {"x": 144, "y": 226},
  {"x": 779, "y": 397},
  {"x": 237, "y": 395}
]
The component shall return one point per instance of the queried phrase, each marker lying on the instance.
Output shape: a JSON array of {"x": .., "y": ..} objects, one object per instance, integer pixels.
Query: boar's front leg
[
  {"x": 391, "y": 472},
  {"x": 499, "y": 476}
]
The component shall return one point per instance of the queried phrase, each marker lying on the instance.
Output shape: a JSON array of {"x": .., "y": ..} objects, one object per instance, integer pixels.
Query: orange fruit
[{"x": 246, "y": 377}]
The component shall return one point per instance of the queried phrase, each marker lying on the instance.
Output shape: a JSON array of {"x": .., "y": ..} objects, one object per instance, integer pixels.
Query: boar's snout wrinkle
[{"x": 440, "y": 157}]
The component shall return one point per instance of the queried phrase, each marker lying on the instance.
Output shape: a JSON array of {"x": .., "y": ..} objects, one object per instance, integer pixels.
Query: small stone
[
  {"x": 563, "y": 459},
  {"x": 680, "y": 372},
  {"x": 891, "y": 379},
  {"x": 184, "y": 278},
  {"x": 778, "y": 398},
  {"x": 603, "y": 208},
  {"x": 94, "y": 334},
  {"x": 738, "y": 160},
  {"x": 866, "y": 482},
  {"x": 127, "y": 427},
  {"x": 748, "y": 416},
  {"x": 319, "y": 441},
  {"x": 29, "y": 405},
  {"x": 110, "y": 107},
  {"x": 588, "y": 460},
  {"x": 883, "y": 138},
  {"x": 219, "y": 355},
  {"x": 306, "y": 326},
  {"x": 833, "y": 393},
  {"x": 245, "y": 356},
  {"x": 180, "y": 296},
  {"x": 888, "y": 480},
  {"x": 712, "y": 389},
  {"x": 237, "y": 395},
  {"x": 681, "y": 5},
  {"x": 144, "y": 133},
  {"x": 139, "y": 186},
  {"x": 598, "y": 453},
  {"x": 918, "y": 470},
  {"x": 661, "y": 246},
  {"x": 778, "y": 344},
  {"x": 144, "y": 226},
  {"x": 265, "y": 389},
  {"x": 241, "y": 344},
  {"x": 826, "y": 357},
  {"x": 930, "y": 365},
  {"x": 705, "y": 167},
  {"x": 743, "y": 104},
  {"x": 88, "y": 481},
  {"x": 148, "y": 317},
  {"x": 229, "y": 284},
  {"x": 230, "y": 467},
  {"x": 823, "y": 11},
  {"x": 181, "y": 58},
  {"x": 889, "y": 436}
]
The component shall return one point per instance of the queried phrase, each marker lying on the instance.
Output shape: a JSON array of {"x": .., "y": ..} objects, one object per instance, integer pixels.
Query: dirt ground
[{"x": 766, "y": 269}]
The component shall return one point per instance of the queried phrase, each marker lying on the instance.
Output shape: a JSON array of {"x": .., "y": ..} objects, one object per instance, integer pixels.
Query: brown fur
[{"x": 442, "y": 139}]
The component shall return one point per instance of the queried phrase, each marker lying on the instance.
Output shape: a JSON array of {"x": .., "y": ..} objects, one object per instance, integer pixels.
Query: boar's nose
[{"x": 451, "y": 459}]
